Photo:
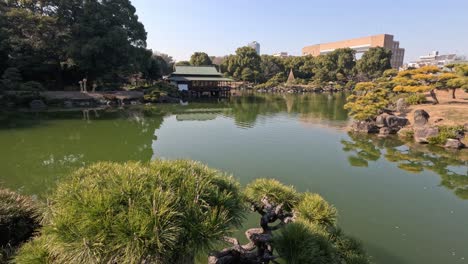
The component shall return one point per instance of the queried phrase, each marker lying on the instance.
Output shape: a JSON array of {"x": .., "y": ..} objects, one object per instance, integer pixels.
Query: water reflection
[
  {"x": 38, "y": 148},
  {"x": 451, "y": 166},
  {"x": 310, "y": 108}
]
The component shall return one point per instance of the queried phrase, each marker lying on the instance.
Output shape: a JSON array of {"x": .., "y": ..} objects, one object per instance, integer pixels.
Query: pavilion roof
[
  {"x": 200, "y": 78},
  {"x": 196, "y": 70}
]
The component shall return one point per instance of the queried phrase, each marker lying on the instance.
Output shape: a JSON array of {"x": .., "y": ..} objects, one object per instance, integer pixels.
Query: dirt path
[{"x": 451, "y": 111}]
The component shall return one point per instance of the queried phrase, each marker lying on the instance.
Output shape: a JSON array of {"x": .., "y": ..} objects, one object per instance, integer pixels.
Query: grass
[{"x": 445, "y": 132}]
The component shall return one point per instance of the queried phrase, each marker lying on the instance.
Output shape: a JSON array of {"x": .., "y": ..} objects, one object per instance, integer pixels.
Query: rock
[
  {"x": 401, "y": 105},
  {"x": 422, "y": 134},
  {"x": 364, "y": 127},
  {"x": 384, "y": 131},
  {"x": 396, "y": 121},
  {"x": 421, "y": 117},
  {"x": 438, "y": 120},
  {"x": 381, "y": 120},
  {"x": 454, "y": 144},
  {"x": 460, "y": 134},
  {"x": 37, "y": 104}
]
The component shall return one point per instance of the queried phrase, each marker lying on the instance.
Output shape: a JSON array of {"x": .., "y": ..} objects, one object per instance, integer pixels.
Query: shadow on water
[
  {"x": 383, "y": 256},
  {"x": 451, "y": 166}
]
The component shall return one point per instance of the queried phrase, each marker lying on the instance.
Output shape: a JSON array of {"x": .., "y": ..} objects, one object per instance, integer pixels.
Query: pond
[{"x": 407, "y": 203}]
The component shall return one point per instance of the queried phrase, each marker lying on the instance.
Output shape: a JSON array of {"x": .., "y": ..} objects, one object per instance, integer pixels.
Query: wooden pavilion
[{"x": 201, "y": 81}]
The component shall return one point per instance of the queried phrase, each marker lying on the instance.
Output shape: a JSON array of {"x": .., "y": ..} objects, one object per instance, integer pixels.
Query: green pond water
[{"x": 407, "y": 204}]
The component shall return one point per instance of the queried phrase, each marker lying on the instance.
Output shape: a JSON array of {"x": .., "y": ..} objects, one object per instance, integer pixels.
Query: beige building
[{"x": 361, "y": 45}]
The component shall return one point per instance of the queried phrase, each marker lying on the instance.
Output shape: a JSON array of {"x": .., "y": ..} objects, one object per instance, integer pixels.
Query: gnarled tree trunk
[
  {"x": 434, "y": 97},
  {"x": 259, "y": 250}
]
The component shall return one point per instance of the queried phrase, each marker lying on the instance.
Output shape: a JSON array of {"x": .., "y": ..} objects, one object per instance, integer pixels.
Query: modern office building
[
  {"x": 433, "y": 58},
  {"x": 256, "y": 46},
  {"x": 281, "y": 54},
  {"x": 361, "y": 45}
]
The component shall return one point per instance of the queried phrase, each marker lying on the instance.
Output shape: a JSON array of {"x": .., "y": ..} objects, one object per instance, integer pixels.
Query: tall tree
[
  {"x": 106, "y": 38},
  {"x": 4, "y": 45},
  {"x": 200, "y": 59},
  {"x": 37, "y": 39},
  {"x": 374, "y": 62},
  {"x": 245, "y": 57},
  {"x": 419, "y": 80},
  {"x": 270, "y": 66}
]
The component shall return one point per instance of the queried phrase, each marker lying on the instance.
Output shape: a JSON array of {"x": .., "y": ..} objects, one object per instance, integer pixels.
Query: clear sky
[{"x": 218, "y": 27}]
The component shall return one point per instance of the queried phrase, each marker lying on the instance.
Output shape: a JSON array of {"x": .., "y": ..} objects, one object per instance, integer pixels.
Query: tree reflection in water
[{"x": 451, "y": 166}]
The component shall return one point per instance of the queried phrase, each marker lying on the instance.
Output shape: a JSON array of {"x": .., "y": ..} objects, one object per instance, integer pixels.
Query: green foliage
[
  {"x": 274, "y": 190},
  {"x": 158, "y": 66},
  {"x": 34, "y": 252},
  {"x": 243, "y": 64},
  {"x": 274, "y": 82},
  {"x": 314, "y": 209},
  {"x": 133, "y": 212},
  {"x": 200, "y": 59},
  {"x": 32, "y": 86},
  {"x": 183, "y": 63},
  {"x": 445, "y": 132},
  {"x": 11, "y": 79},
  {"x": 367, "y": 104},
  {"x": 390, "y": 73},
  {"x": 415, "y": 99},
  {"x": 58, "y": 43},
  {"x": 158, "y": 89},
  {"x": 299, "y": 243},
  {"x": 374, "y": 62},
  {"x": 20, "y": 217},
  {"x": 270, "y": 67},
  {"x": 349, "y": 249},
  {"x": 421, "y": 80}
]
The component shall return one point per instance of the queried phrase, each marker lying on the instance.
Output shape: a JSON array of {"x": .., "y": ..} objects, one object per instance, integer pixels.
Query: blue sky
[{"x": 218, "y": 27}]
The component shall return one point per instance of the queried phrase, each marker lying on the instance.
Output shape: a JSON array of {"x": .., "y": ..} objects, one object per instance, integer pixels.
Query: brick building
[{"x": 361, "y": 45}]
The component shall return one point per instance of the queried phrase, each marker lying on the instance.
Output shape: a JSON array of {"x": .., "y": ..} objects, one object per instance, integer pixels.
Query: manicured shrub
[
  {"x": 34, "y": 252},
  {"x": 19, "y": 218},
  {"x": 274, "y": 190},
  {"x": 415, "y": 99},
  {"x": 314, "y": 209},
  {"x": 139, "y": 213},
  {"x": 299, "y": 243}
]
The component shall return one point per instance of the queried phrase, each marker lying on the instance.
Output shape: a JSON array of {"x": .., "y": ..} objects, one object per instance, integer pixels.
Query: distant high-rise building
[
  {"x": 361, "y": 45},
  {"x": 256, "y": 46},
  {"x": 435, "y": 59}
]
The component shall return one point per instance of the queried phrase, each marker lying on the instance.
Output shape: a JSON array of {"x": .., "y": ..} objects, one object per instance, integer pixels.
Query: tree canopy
[
  {"x": 59, "y": 43},
  {"x": 200, "y": 59},
  {"x": 374, "y": 62},
  {"x": 244, "y": 65}
]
